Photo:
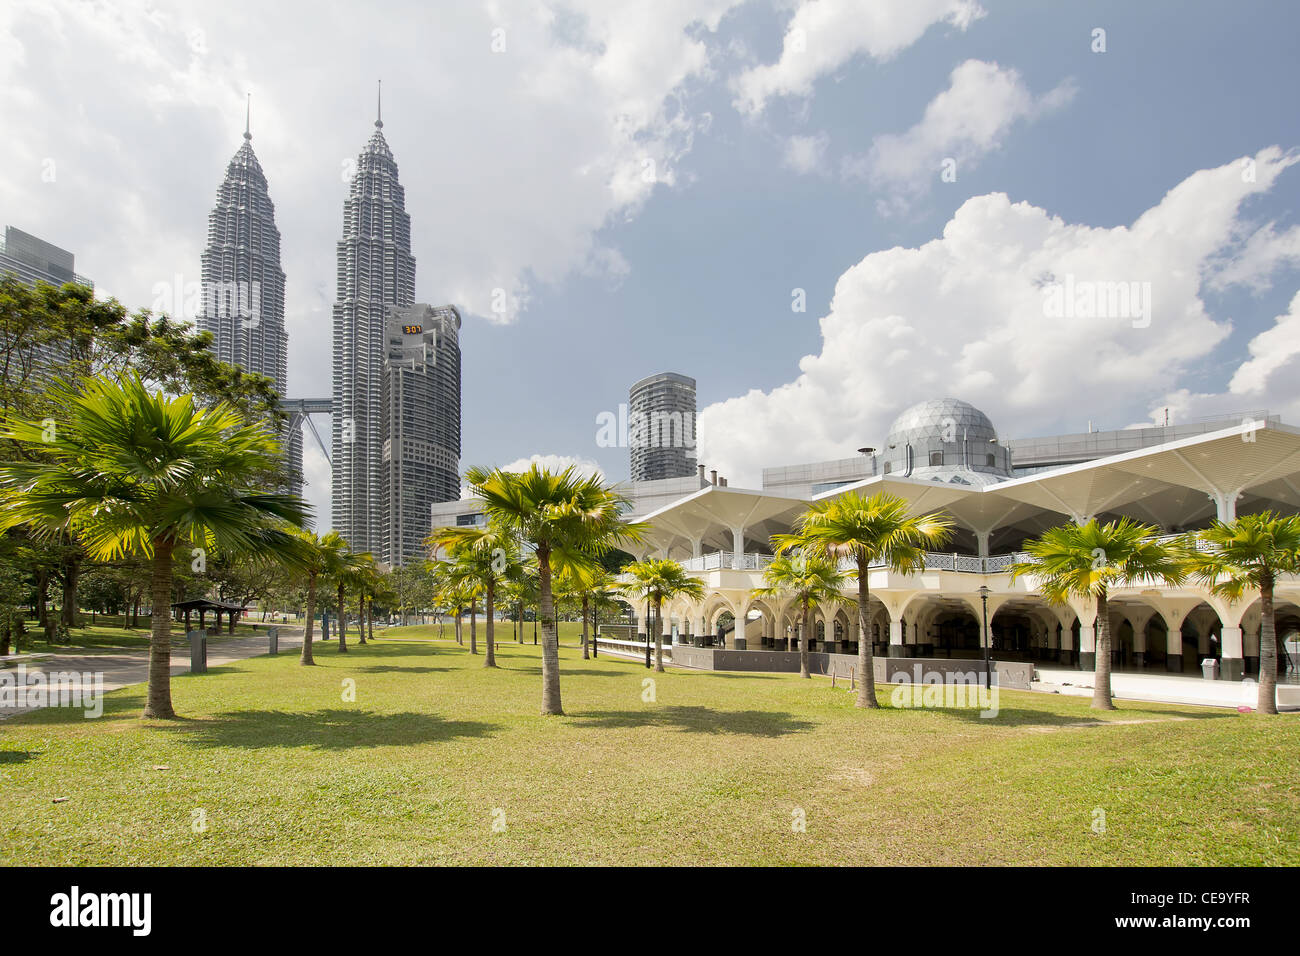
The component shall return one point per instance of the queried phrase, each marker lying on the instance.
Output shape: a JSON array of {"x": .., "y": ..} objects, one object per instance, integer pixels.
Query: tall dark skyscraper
[
  {"x": 242, "y": 302},
  {"x": 661, "y": 433},
  {"x": 420, "y": 396},
  {"x": 376, "y": 272}
]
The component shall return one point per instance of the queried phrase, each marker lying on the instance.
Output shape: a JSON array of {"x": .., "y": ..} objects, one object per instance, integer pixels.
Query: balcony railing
[{"x": 934, "y": 560}]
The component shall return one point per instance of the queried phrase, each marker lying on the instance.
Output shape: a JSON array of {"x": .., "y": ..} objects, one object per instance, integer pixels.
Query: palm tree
[
  {"x": 597, "y": 588},
  {"x": 1248, "y": 555},
  {"x": 1087, "y": 560},
  {"x": 454, "y": 593},
  {"x": 347, "y": 576},
  {"x": 486, "y": 557},
  {"x": 364, "y": 580},
  {"x": 660, "y": 579},
  {"x": 565, "y": 515},
  {"x": 381, "y": 590},
  {"x": 319, "y": 557},
  {"x": 809, "y": 580},
  {"x": 879, "y": 530},
  {"x": 129, "y": 472}
]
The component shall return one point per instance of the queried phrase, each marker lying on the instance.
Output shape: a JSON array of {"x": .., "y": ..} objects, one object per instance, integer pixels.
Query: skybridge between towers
[{"x": 300, "y": 411}]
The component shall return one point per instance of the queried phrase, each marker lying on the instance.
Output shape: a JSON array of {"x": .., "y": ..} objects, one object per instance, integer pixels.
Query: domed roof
[{"x": 941, "y": 419}]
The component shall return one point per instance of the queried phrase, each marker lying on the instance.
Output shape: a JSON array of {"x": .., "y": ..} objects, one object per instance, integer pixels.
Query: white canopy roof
[{"x": 1178, "y": 485}]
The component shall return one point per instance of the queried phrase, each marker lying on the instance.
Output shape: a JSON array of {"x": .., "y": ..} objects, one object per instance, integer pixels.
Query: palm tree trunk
[
  {"x": 1267, "y": 649},
  {"x": 71, "y": 573},
  {"x": 550, "y": 639},
  {"x": 43, "y": 600},
  {"x": 342, "y": 624},
  {"x": 473, "y": 626},
  {"x": 585, "y": 602},
  {"x": 803, "y": 642},
  {"x": 370, "y": 617},
  {"x": 458, "y": 627},
  {"x": 659, "y": 637},
  {"x": 159, "y": 704},
  {"x": 1101, "y": 696},
  {"x": 308, "y": 631},
  {"x": 361, "y": 618},
  {"x": 491, "y": 659},
  {"x": 866, "y": 637}
]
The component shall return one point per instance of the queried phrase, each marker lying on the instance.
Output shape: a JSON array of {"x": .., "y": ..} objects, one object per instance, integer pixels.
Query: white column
[
  {"x": 738, "y": 547},
  {"x": 1174, "y": 650},
  {"x": 1231, "y": 666},
  {"x": 982, "y": 538},
  {"x": 1087, "y": 647},
  {"x": 1225, "y": 505},
  {"x": 739, "y": 637},
  {"x": 896, "y": 639}
]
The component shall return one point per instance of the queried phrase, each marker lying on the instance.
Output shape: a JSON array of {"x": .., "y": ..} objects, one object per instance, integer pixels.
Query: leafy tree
[
  {"x": 127, "y": 471},
  {"x": 1249, "y": 555},
  {"x": 809, "y": 580},
  {"x": 345, "y": 576},
  {"x": 875, "y": 530},
  {"x": 50, "y": 332},
  {"x": 1086, "y": 561},
  {"x": 317, "y": 558},
  {"x": 482, "y": 558},
  {"x": 658, "y": 580},
  {"x": 565, "y": 515}
]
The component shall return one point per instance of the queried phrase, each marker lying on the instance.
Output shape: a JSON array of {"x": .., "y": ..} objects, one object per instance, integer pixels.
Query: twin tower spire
[
  {"x": 388, "y": 462},
  {"x": 379, "y": 112}
]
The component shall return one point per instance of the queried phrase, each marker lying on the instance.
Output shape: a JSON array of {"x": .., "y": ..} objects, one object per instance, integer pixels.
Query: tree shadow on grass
[
  {"x": 375, "y": 647},
  {"x": 699, "y": 720},
  {"x": 1023, "y": 717},
  {"x": 17, "y": 756},
  {"x": 334, "y": 729},
  {"x": 401, "y": 669}
]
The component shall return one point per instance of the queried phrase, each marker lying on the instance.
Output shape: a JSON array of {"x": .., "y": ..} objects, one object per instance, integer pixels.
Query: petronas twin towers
[{"x": 396, "y": 366}]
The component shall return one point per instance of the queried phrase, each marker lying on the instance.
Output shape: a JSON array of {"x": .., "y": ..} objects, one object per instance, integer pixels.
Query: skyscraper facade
[
  {"x": 420, "y": 430},
  {"x": 376, "y": 272},
  {"x": 32, "y": 260},
  {"x": 661, "y": 427},
  {"x": 242, "y": 300}
]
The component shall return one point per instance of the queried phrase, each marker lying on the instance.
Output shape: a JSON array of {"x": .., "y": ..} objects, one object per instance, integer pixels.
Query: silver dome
[{"x": 946, "y": 439}]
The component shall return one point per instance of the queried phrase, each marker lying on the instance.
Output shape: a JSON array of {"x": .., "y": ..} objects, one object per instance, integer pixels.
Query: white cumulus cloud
[
  {"x": 805, "y": 154},
  {"x": 556, "y": 463},
  {"x": 960, "y": 125},
  {"x": 823, "y": 35},
  {"x": 966, "y": 315}
]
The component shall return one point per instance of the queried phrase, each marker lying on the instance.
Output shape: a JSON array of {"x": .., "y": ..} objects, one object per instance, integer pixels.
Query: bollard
[
  {"x": 198, "y": 652},
  {"x": 273, "y": 636}
]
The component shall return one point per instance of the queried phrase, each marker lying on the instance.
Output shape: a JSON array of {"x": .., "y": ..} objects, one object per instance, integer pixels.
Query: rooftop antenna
[
  {"x": 379, "y": 107},
  {"x": 248, "y": 118}
]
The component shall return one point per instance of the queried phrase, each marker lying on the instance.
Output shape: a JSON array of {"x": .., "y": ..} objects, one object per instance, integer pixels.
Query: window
[
  {"x": 936, "y": 458},
  {"x": 889, "y": 466},
  {"x": 993, "y": 460}
]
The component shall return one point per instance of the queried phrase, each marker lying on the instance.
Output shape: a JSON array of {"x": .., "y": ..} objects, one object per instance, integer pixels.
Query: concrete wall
[{"x": 1013, "y": 675}]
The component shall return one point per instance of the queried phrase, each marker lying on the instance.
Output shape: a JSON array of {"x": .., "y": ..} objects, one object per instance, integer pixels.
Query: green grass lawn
[
  {"x": 110, "y": 637},
  {"x": 434, "y": 749}
]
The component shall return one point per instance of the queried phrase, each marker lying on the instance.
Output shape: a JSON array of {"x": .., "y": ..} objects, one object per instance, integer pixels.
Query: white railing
[
  {"x": 632, "y": 648},
  {"x": 934, "y": 561},
  {"x": 725, "y": 560}
]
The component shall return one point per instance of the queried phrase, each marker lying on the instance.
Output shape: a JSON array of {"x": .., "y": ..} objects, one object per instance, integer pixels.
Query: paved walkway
[
  {"x": 1167, "y": 688},
  {"x": 132, "y": 667}
]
